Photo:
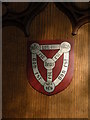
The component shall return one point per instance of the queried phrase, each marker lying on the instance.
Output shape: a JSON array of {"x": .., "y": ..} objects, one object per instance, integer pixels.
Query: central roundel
[{"x": 49, "y": 63}]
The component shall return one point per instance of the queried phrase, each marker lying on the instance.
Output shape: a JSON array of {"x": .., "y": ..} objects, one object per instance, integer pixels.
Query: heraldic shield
[{"x": 50, "y": 65}]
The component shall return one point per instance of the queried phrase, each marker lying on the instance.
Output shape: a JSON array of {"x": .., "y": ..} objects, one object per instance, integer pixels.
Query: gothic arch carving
[{"x": 77, "y": 15}]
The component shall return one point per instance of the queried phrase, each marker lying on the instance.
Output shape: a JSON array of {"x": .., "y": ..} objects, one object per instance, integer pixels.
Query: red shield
[{"x": 50, "y": 65}]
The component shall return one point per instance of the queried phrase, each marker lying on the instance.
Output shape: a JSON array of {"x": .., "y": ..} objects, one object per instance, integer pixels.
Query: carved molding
[
  {"x": 78, "y": 16},
  {"x": 22, "y": 19}
]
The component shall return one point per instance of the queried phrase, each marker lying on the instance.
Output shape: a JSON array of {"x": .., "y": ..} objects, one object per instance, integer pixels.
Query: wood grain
[{"x": 20, "y": 100}]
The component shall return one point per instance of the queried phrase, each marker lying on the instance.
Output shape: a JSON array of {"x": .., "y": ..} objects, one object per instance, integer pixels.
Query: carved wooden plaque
[{"x": 44, "y": 21}]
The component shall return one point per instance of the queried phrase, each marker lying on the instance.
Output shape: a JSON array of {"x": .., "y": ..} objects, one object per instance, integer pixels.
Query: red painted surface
[{"x": 58, "y": 65}]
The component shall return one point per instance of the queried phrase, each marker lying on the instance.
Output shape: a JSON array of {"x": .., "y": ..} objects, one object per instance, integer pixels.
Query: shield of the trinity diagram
[{"x": 50, "y": 65}]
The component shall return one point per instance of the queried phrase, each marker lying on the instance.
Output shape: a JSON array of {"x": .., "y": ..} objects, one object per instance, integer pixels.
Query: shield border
[{"x": 63, "y": 85}]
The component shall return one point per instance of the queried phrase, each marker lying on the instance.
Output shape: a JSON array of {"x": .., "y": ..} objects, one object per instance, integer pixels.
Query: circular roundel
[
  {"x": 34, "y": 48},
  {"x": 65, "y": 47},
  {"x": 49, "y": 87},
  {"x": 49, "y": 64}
]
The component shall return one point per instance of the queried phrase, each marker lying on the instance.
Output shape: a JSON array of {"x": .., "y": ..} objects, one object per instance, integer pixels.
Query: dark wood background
[{"x": 20, "y": 100}]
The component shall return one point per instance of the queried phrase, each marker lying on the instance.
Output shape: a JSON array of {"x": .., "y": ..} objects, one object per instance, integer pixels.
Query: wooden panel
[{"x": 20, "y": 100}]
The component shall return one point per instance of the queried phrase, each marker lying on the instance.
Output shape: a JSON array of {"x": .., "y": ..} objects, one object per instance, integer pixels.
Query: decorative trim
[
  {"x": 22, "y": 19},
  {"x": 77, "y": 16}
]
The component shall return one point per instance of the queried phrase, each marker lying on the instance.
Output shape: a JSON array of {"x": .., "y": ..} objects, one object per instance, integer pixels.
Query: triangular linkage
[{"x": 49, "y": 63}]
